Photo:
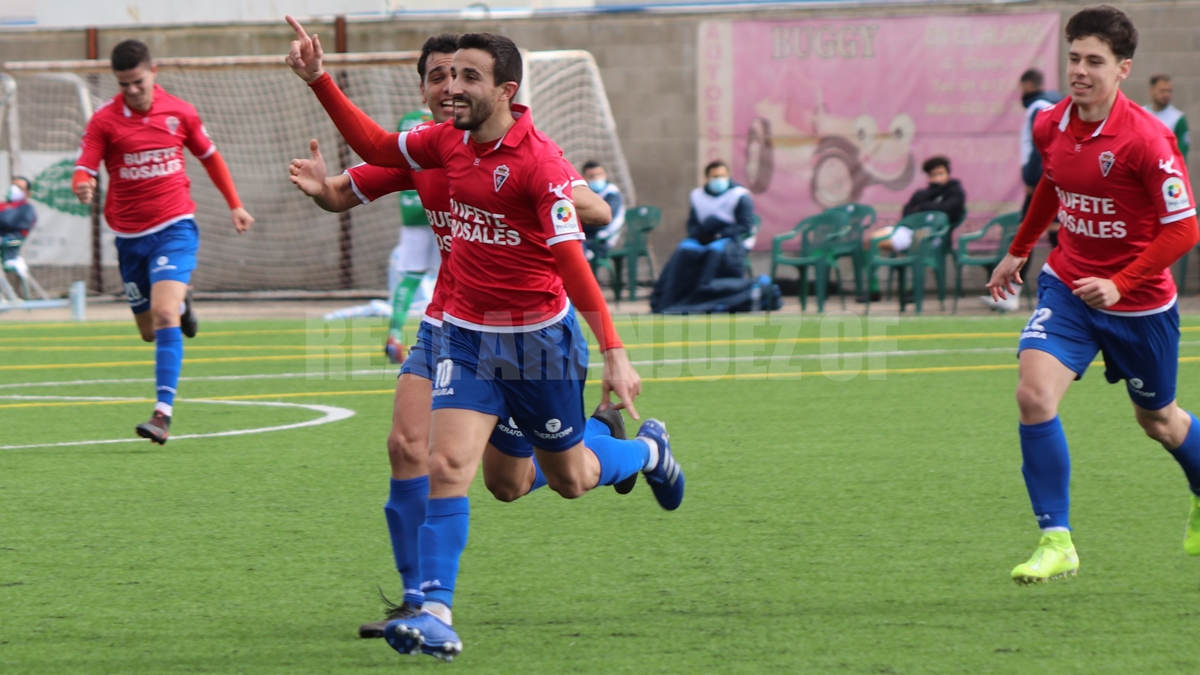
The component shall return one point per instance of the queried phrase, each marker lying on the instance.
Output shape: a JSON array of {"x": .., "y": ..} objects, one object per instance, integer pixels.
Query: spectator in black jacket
[{"x": 942, "y": 194}]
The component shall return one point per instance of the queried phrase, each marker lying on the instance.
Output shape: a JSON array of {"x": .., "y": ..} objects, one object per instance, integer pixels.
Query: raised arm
[
  {"x": 372, "y": 142},
  {"x": 334, "y": 194}
]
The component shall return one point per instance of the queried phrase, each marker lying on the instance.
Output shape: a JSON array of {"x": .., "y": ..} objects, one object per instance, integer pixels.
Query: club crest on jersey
[
  {"x": 172, "y": 124},
  {"x": 499, "y": 175},
  {"x": 563, "y": 214},
  {"x": 1106, "y": 162},
  {"x": 1175, "y": 194}
]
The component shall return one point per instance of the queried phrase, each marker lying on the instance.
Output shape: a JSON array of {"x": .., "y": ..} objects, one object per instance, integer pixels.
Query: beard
[{"x": 478, "y": 111}]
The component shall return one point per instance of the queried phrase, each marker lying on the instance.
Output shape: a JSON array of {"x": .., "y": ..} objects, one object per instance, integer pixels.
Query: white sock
[
  {"x": 653, "y": 461},
  {"x": 1056, "y": 529},
  {"x": 439, "y": 610},
  {"x": 163, "y": 408}
]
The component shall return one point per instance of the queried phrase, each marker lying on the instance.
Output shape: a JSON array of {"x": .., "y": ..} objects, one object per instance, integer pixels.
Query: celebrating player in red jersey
[
  {"x": 511, "y": 345},
  {"x": 140, "y": 135},
  {"x": 408, "y": 441},
  {"x": 1116, "y": 181}
]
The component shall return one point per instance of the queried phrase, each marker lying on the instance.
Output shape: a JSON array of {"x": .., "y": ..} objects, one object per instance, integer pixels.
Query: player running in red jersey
[
  {"x": 140, "y": 135},
  {"x": 510, "y": 340},
  {"x": 408, "y": 441},
  {"x": 1116, "y": 181}
]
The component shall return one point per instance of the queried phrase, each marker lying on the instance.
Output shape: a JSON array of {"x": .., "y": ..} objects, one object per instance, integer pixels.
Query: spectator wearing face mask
[
  {"x": 721, "y": 209},
  {"x": 599, "y": 239},
  {"x": 17, "y": 216}
]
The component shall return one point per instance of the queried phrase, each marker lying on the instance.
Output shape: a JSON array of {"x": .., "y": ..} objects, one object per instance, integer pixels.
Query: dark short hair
[
  {"x": 1033, "y": 76},
  {"x": 715, "y": 164},
  {"x": 507, "y": 57},
  {"x": 17, "y": 178},
  {"x": 1106, "y": 23},
  {"x": 1159, "y": 77},
  {"x": 446, "y": 43},
  {"x": 129, "y": 55},
  {"x": 591, "y": 164},
  {"x": 934, "y": 162}
]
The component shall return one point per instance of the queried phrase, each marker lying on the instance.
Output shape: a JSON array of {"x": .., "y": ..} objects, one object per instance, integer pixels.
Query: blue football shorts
[
  {"x": 166, "y": 255},
  {"x": 422, "y": 362},
  {"x": 534, "y": 379},
  {"x": 1142, "y": 350}
]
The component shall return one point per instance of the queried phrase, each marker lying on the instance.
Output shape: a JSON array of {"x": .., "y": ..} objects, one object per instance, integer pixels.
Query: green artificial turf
[{"x": 844, "y": 514}]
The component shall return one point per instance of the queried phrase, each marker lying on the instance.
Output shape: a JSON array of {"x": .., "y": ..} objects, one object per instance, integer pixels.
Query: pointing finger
[{"x": 297, "y": 27}]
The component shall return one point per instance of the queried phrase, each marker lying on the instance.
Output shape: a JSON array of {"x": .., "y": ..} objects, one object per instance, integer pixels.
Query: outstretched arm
[
  {"x": 310, "y": 175},
  {"x": 619, "y": 377},
  {"x": 1039, "y": 216},
  {"x": 217, "y": 170},
  {"x": 371, "y": 141}
]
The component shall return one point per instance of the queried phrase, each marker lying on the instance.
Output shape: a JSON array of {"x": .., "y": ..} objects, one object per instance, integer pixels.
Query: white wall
[{"x": 82, "y": 13}]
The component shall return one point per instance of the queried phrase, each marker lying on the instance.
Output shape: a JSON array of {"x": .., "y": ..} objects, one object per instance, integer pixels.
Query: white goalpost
[{"x": 261, "y": 117}]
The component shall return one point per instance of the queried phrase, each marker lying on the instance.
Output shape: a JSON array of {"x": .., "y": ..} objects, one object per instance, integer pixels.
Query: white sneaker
[{"x": 1009, "y": 304}]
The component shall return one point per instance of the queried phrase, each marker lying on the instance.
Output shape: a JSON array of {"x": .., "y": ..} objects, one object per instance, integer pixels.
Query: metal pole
[
  {"x": 345, "y": 221},
  {"x": 93, "y": 51}
]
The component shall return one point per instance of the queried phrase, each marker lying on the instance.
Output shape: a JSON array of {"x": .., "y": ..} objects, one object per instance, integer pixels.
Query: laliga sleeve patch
[
  {"x": 563, "y": 215},
  {"x": 1175, "y": 194}
]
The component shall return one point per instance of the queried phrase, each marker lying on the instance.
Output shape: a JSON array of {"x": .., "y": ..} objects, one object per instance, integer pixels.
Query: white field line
[
  {"x": 380, "y": 371},
  {"x": 329, "y": 414}
]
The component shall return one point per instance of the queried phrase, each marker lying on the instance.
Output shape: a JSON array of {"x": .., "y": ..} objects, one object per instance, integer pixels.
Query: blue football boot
[
  {"x": 666, "y": 478},
  {"x": 425, "y": 632}
]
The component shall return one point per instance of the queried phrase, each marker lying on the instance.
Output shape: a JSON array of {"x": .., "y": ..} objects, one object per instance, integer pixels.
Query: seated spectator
[
  {"x": 942, "y": 194},
  {"x": 599, "y": 239},
  {"x": 721, "y": 209},
  {"x": 706, "y": 273},
  {"x": 17, "y": 216}
]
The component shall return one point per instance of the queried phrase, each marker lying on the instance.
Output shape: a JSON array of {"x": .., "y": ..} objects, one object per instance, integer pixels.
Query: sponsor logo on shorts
[
  {"x": 1136, "y": 384},
  {"x": 553, "y": 425},
  {"x": 162, "y": 264},
  {"x": 510, "y": 428},
  {"x": 1175, "y": 194},
  {"x": 554, "y": 436}
]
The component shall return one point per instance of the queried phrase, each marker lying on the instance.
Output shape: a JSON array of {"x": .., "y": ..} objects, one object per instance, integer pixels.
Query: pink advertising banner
[{"x": 813, "y": 114}]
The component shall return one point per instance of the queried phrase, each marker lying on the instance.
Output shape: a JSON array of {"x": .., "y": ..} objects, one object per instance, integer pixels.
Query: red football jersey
[
  {"x": 372, "y": 182},
  {"x": 143, "y": 153},
  {"x": 510, "y": 201},
  {"x": 1116, "y": 190}
]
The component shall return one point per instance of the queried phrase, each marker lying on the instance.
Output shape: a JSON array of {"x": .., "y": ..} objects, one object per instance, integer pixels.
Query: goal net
[{"x": 261, "y": 117}]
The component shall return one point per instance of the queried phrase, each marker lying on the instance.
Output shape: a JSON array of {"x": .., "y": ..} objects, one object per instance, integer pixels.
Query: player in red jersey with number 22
[
  {"x": 1116, "y": 181},
  {"x": 140, "y": 135}
]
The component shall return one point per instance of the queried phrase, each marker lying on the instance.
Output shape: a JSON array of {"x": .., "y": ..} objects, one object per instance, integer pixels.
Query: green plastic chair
[
  {"x": 1007, "y": 224},
  {"x": 862, "y": 219},
  {"x": 930, "y": 229},
  {"x": 819, "y": 235},
  {"x": 639, "y": 222}
]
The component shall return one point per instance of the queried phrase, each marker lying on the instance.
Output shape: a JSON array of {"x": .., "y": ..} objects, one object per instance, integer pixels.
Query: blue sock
[
  {"x": 168, "y": 361},
  {"x": 592, "y": 429},
  {"x": 442, "y": 539},
  {"x": 539, "y": 478},
  {"x": 618, "y": 459},
  {"x": 405, "y": 511},
  {"x": 1188, "y": 455},
  {"x": 1047, "y": 471}
]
